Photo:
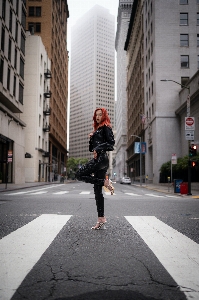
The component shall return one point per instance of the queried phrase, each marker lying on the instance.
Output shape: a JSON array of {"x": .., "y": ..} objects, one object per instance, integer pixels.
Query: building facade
[
  {"x": 12, "y": 61},
  {"x": 170, "y": 51},
  {"x": 48, "y": 19},
  {"x": 92, "y": 75},
  {"x": 124, "y": 13},
  {"x": 36, "y": 110},
  {"x": 135, "y": 89}
]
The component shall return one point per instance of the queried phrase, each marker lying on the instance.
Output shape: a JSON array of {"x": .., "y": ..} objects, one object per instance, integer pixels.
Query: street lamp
[
  {"x": 140, "y": 158},
  {"x": 188, "y": 115}
]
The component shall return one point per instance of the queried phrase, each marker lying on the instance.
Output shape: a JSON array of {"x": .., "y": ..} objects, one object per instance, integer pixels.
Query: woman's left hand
[{"x": 95, "y": 154}]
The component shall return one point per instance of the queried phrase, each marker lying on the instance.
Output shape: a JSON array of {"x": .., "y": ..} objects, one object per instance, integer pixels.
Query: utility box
[
  {"x": 184, "y": 188},
  {"x": 177, "y": 183}
]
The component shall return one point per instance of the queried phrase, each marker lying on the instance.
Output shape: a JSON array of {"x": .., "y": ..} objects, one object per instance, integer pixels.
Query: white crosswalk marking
[
  {"x": 85, "y": 193},
  {"x": 153, "y": 195},
  {"x": 61, "y": 193},
  {"x": 176, "y": 252},
  {"x": 38, "y": 193},
  {"x": 132, "y": 194},
  {"x": 26, "y": 245}
]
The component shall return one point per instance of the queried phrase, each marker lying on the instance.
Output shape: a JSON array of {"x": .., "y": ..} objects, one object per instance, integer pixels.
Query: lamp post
[
  {"x": 139, "y": 137},
  {"x": 188, "y": 115}
]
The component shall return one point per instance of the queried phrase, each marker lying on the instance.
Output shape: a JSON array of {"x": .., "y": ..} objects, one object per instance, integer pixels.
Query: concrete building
[
  {"x": 36, "y": 110},
  {"x": 92, "y": 75},
  {"x": 123, "y": 18},
  {"x": 170, "y": 51},
  {"x": 48, "y": 19},
  {"x": 12, "y": 61},
  {"x": 135, "y": 89}
]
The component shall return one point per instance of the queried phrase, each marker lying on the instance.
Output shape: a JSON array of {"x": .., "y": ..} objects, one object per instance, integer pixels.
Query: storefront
[{"x": 6, "y": 159}]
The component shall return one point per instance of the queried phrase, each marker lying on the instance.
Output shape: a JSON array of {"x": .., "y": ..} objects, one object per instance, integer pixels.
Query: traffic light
[
  {"x": 192, "y": 150},
  {"x": 194, "y": 163}
]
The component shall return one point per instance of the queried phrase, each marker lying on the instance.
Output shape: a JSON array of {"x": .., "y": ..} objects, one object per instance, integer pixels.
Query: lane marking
[
  {"x": 177, "y": 253},
  {"x": 21, "y": 249},
  {"x": 38, "y": 193},
  {"x": 61, "y": 193},
  {"x": 85, "y": 193},
  {"x": 132, "y": 194}
]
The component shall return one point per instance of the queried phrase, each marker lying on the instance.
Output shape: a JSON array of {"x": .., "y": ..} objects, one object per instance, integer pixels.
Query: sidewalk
[
  {"x": 161, "y": 187},
  {"x": 169, "y": 188}
]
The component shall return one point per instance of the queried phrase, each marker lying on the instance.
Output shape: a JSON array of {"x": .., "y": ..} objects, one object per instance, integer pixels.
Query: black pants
[{"x": 94, "y": 172}]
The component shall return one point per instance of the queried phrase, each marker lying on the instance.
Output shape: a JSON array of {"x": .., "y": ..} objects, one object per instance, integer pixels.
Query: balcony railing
[
  {"x": 47, "y": 74},
  {"x": 46, "y": 128},
  {"x": 47, "y": 111},
  {"x": 47, "y": 94}
]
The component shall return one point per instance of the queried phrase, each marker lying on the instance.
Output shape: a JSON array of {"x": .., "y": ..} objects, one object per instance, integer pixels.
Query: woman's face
[{"x": 98, "y": 116}]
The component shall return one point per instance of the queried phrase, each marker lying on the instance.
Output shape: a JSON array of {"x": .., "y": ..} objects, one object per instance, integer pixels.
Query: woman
[{"x": 101, "y": 140}]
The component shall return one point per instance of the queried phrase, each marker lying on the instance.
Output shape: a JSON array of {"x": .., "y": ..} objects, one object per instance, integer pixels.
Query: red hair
[{"x": 105, "y": 119}]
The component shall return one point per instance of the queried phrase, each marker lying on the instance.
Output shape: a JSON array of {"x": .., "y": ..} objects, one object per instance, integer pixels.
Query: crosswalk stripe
[
  {"x": 38, "y": 193},
  {"x": 132, "y": 194},
  {"x": 85, "y": 193},
  {"x": 21, "y": 249},
  {"x": 61, "y": 193},
  {"x": 153, "y": 195},
  {"x": 176, "y": 252}
]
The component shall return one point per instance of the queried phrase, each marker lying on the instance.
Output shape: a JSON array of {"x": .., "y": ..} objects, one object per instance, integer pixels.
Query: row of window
[
  {"x": 183, "y": 2},
  {"x": 184, "y": 40},
  {"x": 9, "y": 81},
  {"x": 184, "y": 19}
]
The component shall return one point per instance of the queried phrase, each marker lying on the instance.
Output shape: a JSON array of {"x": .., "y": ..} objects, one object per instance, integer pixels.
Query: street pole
[
  {"x": 139, "y": 137},
  {"x": 188, "y": 115}
]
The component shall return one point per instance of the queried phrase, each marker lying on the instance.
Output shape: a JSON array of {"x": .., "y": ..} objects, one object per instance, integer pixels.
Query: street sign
[
  {"x": 174, "y": 159},
  {"x": 189, "y": 123},
  {"x": 189, "y": 135}
]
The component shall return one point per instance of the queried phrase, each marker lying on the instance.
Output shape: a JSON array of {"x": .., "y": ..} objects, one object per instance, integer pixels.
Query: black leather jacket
[{"x": 102, "y": 140}]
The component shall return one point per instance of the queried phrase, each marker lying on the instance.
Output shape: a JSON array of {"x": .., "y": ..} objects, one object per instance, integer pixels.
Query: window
[
  {"x": 22, "y": 43},
  {"x": 184, "y": 80},
  {"x": 34, "y": 11},
  {"x": 184, "y": 40},
  {"x": 10, "y": 21},
  {"x": 2, "y": 39},
  {"x": 184, "y": 61},
  {"x": 198, "y": 61},
  {"x": 34, "y": 27},
  {"x": 8, "y": 79},
  {"x": 197, "y": 18},
  {"x": 15, "y": 63},
  {"x": 21, "y": 93},
  {"x": 9, "y": 49},
  {"x": 4, "y": 9},
  {"x": 183, "y": 18},
  {"x": 21, "y": 68},
  {"x": 197, "y": 1},
  {"x": 183, "y": 1},
  {"x": 14, "y": 86},
  {"x": 1, "y": 70},
  {"x": 16, "y": 32},
  {"x": 197, "y": 40}
]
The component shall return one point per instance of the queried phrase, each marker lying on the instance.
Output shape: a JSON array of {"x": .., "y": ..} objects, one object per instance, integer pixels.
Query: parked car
[{"x": 126, "y": 180}]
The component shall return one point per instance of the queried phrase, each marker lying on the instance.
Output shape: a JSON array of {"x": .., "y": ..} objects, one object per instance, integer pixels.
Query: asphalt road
[{"x": 149, "y": 248}]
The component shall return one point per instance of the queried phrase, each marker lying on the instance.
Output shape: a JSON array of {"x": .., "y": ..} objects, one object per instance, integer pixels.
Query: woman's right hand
[{"x": 90, "y": 134}]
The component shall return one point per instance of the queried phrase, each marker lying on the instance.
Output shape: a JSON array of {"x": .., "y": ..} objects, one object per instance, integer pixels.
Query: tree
[{"x": 73, "y": 164}]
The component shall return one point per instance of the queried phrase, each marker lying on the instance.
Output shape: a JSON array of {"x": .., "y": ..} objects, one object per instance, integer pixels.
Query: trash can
[
  {"x": 177, "y": 183},
  {"x": 184, "y": 188}
]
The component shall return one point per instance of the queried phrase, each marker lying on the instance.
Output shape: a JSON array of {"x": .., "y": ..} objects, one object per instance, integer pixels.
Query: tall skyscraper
[
  {"x": 48, "y": 19},
  {"x": 124, "y": 13},
  {"x": 92, "y": 75}
]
